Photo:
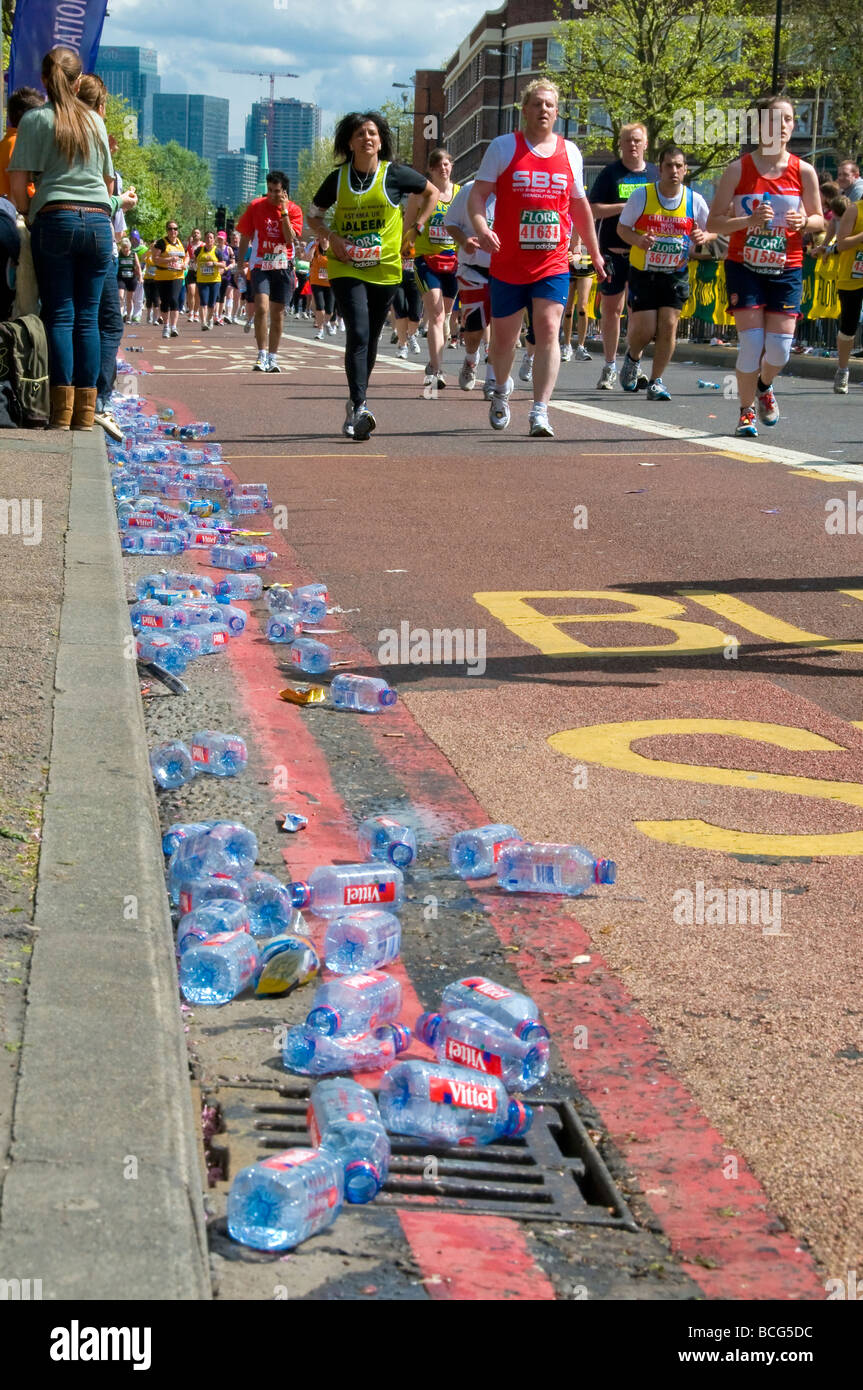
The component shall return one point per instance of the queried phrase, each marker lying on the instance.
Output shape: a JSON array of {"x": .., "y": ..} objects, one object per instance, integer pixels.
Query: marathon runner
[
  {"x": 128, "y": 275},
  {"x": 611, "y": 189},
  {"x": 170, "y": 259},
  {"x": 226, "y": 261},
  {"x": 473, "y": 286},
  {"x": 581, "y": 277},
  {"x": 660, "y": 221},
  {"x": 322, "y": 290},
  {"x": 435, "y": 260},
  {"x": 208, "y": 277},
  {"x": 276, "y": 224},
  {"x": 151, "y": 288},
  {"x": 765, "y": 202},
  {"x": 407, "y": 307},
  {"x": 537, "y": 177},
  {"x": 193, "y": 303},
  {"x": 233, "y": 297},
  {"x": 366, "y": 243},
  {"x": 849, "y": 284}
]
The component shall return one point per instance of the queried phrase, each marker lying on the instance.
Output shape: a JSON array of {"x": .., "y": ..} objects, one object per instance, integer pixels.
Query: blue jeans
[
  {"x": 72, "y": 256},
  {"x": 111, "y": 335}
]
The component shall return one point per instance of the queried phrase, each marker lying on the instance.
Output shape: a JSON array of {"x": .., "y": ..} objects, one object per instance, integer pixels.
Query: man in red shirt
[{"x": 274, "y": 227}]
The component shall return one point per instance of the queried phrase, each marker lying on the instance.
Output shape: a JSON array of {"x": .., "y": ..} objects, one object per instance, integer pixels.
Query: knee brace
[
  {"x": 777, "y": 348},
  {"x": 750, "y": 347}
]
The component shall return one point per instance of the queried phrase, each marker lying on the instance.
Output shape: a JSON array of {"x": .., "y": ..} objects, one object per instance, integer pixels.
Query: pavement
[{"x": 664, "y": 668}]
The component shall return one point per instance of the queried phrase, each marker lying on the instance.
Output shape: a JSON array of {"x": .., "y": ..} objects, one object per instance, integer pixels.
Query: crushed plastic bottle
[
  {"x": 171, "y": 765},
  {"x": 147, "y": 586},
  {"x": 313, "y": 1054},
  {"x": 387, "y": 840},
  {"x": 366, "y": 693},
  {"x": 203, "y": 888},
  {"x": 471, "y": 1039},
  {"x": 218, "y": 969},
  {"x": 333, "y": 887},
  {"x": 228, "y": 848},
  {"x": 709, "y": 386},
  {"x": 310, "y": 601},
  {"x": 284, "y": 626},
  {"x": 221, "y": 755},
  {"x": 344, "y": 1119},
  {"x": 182, "y": 830},
  {"x": 199, "y": 429},
  {"x": 515, "y": 1011},
  {"x": 355, "y": 1003},
  {"x": 280, "y": 1202},
  {"x": 286, "y": 962},
  {"x": 310, "y": 655},
  {"x": 211, "y": 918},
  {"x": 162, "y": 651},
  {"x": 549, "y": 868},
  {"x": 269, "y": 903},
  {"x": 361, "y": 941},
  {"x": 444, "y": 1104},
  {"x": 474, "y": 853}
]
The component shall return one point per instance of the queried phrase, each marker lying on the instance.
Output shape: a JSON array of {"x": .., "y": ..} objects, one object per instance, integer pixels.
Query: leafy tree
[
  {"x": 182, "y": 180},
  {"x": 657, "y": 60},
  {"x": 314, "y": 164},
  {"x": 828, "y": 46},
  {"x": 401, "y": 123}
]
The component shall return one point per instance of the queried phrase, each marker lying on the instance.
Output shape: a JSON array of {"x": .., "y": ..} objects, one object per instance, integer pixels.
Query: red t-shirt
[{"x": 262, "y": 224}]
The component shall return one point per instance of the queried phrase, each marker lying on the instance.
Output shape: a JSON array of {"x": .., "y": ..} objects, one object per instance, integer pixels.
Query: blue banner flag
[{"x": 44, "y": 24}]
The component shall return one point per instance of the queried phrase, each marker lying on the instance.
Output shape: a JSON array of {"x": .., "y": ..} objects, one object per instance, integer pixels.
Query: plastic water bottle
[
  {"x": 545, "y": 868},
  {"x": 709, "y": 386},
  {"x": 192, "y": 892},
  {"x": 279, "y": 1203},
  {"x": 222, "y": 755},
  {"x": 126, "y": 489},
  {"x": 253, "y": 490},
  {"x": 233, "y": 618},
  {"x": 240, "y": 557},
  {"x": 212, "y": 918},
  {"x": 310, "y": 655},
  {"x": 360, "y": 941},
  {"x": 314, "y": 1054},
  {"x": 199, "y": 429},
  {"x": 180, "y": 491},
  {"x": 214, "y": 637},
  {"x": 333, "y": 887},
  {"x": 268, "y": 902},
  {"x": 344, "y": 1119},
  {"x": 190, "y": 644},
  {"x": 218, "y": 969},
  {"x": 385, "y": 839},
  {"x": 164, "y": 651},
  {"x": 153, "y": 616},
  {"x": 366, "y": 693},
  {"x": 311, "y": 601},
  {"x": 153, "y": 542},
  {"x": 182, "y": 830},
  {"x": 205, "y": 609},
  {"x": 171, "y": 579},
  {"x": 280, "y": 599},
  {"x": 444, "y": 1104},
  {"x": 355, "y": 1004},
  {"x": 471, "y": 1039},
  {"x": 171, "y": 765},
  {"x": 204, "y": 540},
  {"x": 240, "y": 586},
  {"x": 137, "y": 519},
  {"x": 474, "y": 853},
  {"x": 244, "y": 504},
  {"x": 284, "y": 626},
  {"x": 226, "y": 847},
  {"x": 515, "y": 1011}
]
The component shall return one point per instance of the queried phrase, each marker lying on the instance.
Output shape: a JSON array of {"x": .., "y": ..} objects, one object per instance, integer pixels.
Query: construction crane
[{"x": 249, "y": 72}]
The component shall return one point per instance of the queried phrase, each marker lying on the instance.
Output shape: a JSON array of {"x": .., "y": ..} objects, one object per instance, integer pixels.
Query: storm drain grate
[{"x": 553, "y": 1173}]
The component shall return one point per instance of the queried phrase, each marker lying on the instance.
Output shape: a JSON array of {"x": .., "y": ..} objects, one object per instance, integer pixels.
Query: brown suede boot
[
  {"x": 62, "y": 401},
  {"x": 85, "y": 408}
]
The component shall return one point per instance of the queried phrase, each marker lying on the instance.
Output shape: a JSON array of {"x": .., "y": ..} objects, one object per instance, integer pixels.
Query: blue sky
[{"x": 347, "y": 52}]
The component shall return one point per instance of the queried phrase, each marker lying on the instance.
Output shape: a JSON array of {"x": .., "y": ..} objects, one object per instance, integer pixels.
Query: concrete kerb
[{"x": 103, "y": 1198}]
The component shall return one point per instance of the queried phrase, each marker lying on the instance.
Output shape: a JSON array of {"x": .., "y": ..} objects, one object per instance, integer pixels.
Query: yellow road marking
[
  {"x": 543, "y": 631},
  {"x": 764, "y": 625}
]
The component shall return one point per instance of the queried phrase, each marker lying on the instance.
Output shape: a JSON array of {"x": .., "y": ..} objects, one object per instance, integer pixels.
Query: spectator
[
  {"x": 849, "y": 180},
  {"x": 22, "y": 99},
  {"x": 63, "y": 147}
]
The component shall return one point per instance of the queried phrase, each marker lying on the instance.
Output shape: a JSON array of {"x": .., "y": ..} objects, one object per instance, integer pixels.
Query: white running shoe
[
  {"x": 498, "y": 413},
  {"x": 840, "y": 381},
  {"x": 414, "y": 344},
  {"x": 319, "y": 336},
  {"x": 248, "y": 325},
  {"x": 332, "y": 330},
  {"x": 261, "y": 364},
  {"x": 538, "y": 422},
  {"x": 175, "y": 332},
  {"x": 348, "y": 426},
  {"x": 566, "y": 353},
  {"x": 582, "y": 354},
  {"x": 525, "y": 371},
  {"x": 467, "y": 375},
  {"x": 272, "y": 363},
  {"x": 364, "y": 422},
  {"x": 607, "y": 380},
  {"x": 402, "y": 353},
  {"x": 489, "y": 387},
  {"x": 166, "y": 332}
]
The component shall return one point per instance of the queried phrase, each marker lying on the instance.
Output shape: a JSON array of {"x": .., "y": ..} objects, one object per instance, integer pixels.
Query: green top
[{"x": 58, "y": 181}]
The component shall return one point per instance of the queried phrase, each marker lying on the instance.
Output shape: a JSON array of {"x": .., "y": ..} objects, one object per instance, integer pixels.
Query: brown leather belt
[{"x": 73, "y": 207}]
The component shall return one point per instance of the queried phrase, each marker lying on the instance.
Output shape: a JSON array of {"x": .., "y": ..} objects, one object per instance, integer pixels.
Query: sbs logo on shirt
[{"x": 539, "y": 180}]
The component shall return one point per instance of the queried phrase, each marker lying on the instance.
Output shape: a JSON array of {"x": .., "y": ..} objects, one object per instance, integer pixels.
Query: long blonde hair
[{"x": 74, "y": 132}]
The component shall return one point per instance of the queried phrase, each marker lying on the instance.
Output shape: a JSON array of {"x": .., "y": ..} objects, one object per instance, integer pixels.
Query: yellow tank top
[
  {"x": 177, "y": 251},
  {"x": 209, "y": 266},
  {"x": 670, "y": 227},
  {"x": 433, "y": 238},
  {"x": 372, "y": 224},
  {"x": 850, "y": 274}
]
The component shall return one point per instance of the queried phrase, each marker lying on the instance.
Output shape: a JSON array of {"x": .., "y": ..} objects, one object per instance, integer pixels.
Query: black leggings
[
  {"x": 850, "y": 302},
  {"x": 297, "y": 297},
  {"x": 363, "y": 306},
  {"x": 324, "y": 298}
]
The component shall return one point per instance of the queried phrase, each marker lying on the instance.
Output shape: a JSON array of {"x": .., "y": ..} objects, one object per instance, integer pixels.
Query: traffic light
[
  {"x": 220, "y": 218},
  {"x": 229, "y": 226}
]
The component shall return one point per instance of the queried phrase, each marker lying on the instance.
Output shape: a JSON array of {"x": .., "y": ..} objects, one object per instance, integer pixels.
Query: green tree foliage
[
  {"x": 822, "y": 50},
  {"x": 169, "y": 181},
  {"x": 400, "y": 119},
  {"x": 655, "y": 60},
  {"x": 314, "y": 165}
]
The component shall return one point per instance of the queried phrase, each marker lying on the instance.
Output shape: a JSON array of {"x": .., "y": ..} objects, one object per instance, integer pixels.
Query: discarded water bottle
[
  {"x": 280, "y": 1202},
  {"x": 179, "y": 490},
  {"x": 366, "y": 693},
  {"x": 204, "y": 540},
  {"x": 172, "y": 579},
  {"x": 333, "y": 887},
  {"x": 222, "y": 755},
  {"x": 245, "y": 504},
  {"x": 546, "y": 868},
  {"x": 232, "y": 842},
  {"x": 310, "y": 655},
  {"x": 192, "y": 892},
  {"x": 314, "y": 1054},
  {"x": 171, "y": 765},
  {"x": 474, "y": 853},
  {"x": 199, "y": 429},
  {"x": 126, "y": 489},
  {"x": 151, "y": 615},
  {"x": 211, "y": 918},
  {"x": 153, "y": 542},
  {"x": 233, "y": 618},
  {"x": 240, "y": 586},
  {"x": 203, "y": 610},
  {"x": 361, "y": 941},
  {"x": 280, "y": 598},
  {"x": 253, "y": 490},
  {"x": 310, "y": 601},
  {"x": 344, "y": 1119},
  {"x": 355, "y": 1004},
  {"x": 165, "y": 413},
  {"x": 240, "y": 557},
  {"x": 284, "y": 626},
  {"x": 136, "y": 520},
  {"x": 709, "y": 386},
  {"x": 515, "y": 1011},
  {"x": 471, "y": 1039},
  {"x": 449, "y": 1105},
  {"x": 218, "y": 969},
  {"x": 182, "y": 830},
  {"x": 190, "y": 644},
  {"x": 269, "y": 904},
  {"x": 163, "y": 651},
  {"x": 214, "y": 637},
  {"x": 385, "y": 839}
]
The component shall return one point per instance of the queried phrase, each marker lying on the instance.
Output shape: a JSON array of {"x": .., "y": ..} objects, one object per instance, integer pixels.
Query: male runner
[
  {"x": 537, "y": 178},
  {"x": 276, "y": 225}
]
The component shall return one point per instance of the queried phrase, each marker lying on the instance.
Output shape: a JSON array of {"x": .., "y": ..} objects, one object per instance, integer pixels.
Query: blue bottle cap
[
  {"x": 519, "y": 1119},
  {"x": 324, "y": 1020},
  {"x": 606, "y": 871},
  {"x": 426, "y": 1028},
  {"x": 362, "y": 1182},
  {"x": 401, "y": 854}
]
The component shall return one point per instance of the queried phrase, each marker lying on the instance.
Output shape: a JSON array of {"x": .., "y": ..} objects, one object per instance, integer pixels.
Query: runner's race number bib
[
  {"x": 437, "y": 229},
  {"x": 857, "y": 265},
  {"x": 668, "y": 253},
  {"x": 539, "y": 228},
  {"x": 277, "y": 259},
  {"x": 764, "y": 251},
  {"x": 366, "y": 250}
]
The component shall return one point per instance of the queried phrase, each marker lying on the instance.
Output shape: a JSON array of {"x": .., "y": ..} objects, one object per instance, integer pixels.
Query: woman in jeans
[{"x": 63, "y": 148}]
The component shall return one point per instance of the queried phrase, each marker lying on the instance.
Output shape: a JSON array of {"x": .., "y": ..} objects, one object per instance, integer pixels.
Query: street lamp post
[{"x": 777, "y": 34}]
